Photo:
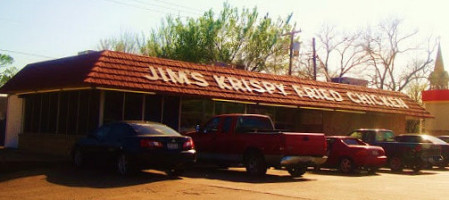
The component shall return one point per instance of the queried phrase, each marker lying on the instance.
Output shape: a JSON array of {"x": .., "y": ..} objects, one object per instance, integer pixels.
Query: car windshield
[
  {"x": 446, "y": 139},
  {"x": 153, "y": 129},
  {"x": 385, "y": 136},
  {"x": 352, "y": 141}
]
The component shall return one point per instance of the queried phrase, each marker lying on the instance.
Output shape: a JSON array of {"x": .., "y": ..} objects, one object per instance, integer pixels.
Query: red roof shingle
[{"x": 127, "y": 71}]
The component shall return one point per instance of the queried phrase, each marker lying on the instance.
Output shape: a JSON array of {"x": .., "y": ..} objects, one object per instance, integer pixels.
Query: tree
[
  {"x": 127, "y": 42},
  {"x": 234, "y": 37},
  {"x": 7, "y": 72},
  {"x": 5, "y": 60},
  {"x": 340, "y": 53},
  {"x": 385, "y": 49}
]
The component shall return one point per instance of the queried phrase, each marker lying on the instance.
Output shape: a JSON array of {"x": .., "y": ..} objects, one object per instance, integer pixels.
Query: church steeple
[{"x": 439, "y": 78}]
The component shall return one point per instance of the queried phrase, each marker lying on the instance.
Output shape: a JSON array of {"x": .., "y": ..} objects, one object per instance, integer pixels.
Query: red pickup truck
[{"x": 251, "y": 140}]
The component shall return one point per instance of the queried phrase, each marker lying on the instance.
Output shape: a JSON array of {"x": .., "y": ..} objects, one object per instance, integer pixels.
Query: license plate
[{"x": 172, "y": 146}]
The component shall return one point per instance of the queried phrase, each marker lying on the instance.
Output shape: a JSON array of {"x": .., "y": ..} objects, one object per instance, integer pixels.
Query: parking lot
[{"x": 59, "y": 180}]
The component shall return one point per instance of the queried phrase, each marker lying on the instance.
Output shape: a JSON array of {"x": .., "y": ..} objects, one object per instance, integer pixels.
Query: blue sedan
[{"x": 136, "y": 145}]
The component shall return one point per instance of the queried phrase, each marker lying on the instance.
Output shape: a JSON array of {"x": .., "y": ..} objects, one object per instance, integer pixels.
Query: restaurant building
[{"x": 53, "y": 103}]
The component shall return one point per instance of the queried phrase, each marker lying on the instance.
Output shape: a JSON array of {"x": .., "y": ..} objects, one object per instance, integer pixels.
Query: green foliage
[
  {"x": 6, "y": 72},
  {"x": 232, "y": 37},
  {"x": 5, "y": 60}
]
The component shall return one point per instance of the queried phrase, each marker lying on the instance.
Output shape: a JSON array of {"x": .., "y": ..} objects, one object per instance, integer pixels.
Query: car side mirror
[{"x": 197, "y": 128}]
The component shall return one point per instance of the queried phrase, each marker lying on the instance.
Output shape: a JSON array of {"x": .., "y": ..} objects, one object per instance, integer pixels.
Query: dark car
[
  {"x": 431, "y": 140},
  {"x": 348, "y": 153},
  {"x": 136, "y": 145},
  {"x": 400, "y": 154}
]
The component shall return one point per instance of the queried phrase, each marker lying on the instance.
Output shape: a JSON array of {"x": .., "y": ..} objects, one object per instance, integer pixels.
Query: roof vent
[
  {"x": 86, "y": 52},
  {"x": 350, "y": 81}
]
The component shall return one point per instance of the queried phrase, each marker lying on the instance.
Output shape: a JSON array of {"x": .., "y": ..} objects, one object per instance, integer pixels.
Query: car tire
[
  {"x": 174, "y": 172},
  {"x": 346, "y": 165},
  {"x": 78, "y": 158},
  {"x": 396, "y": 164},
  {"x": 123, "y": 165},
  {"x": 255, "y": 164},
  {"x": 297, "y": 171},
  {"x": 442, "y": 165},
  {"x": 417, "y": 168}
]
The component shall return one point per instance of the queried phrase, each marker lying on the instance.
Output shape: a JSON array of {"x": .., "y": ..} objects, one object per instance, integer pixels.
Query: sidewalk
[{"x": 15, "y": 159}]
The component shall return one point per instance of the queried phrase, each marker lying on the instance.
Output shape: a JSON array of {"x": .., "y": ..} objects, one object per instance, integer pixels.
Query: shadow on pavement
[
  {"x": 335, "y": 172},
  {"x": 95, "y": 177},
  {"x": 239, "y": 175}
]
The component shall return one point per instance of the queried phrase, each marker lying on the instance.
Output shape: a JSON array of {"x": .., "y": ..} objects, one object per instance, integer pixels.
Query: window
[
  {"x": 356, "y": 134},
  {"x": 227, "y": 107},
  {"x": 153, "y": 129},
  {"x": 227, "y": 124},
  {"x": 133, "y": 106},
  {"x": 195, "y": 112},
  {"x": 153, "y": 108},
  {"x": 68, "y": 112},
  {"x": 113, "y": 106},
  {"x": 251, "y": 124},
  {"x": 385, "y": 136},
  {"x": 212, "y": 125},
  {"x": 119, "y": 131},
  {"x": 351, "y": 142}
]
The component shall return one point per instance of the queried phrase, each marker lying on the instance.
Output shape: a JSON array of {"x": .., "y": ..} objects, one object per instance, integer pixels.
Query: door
[
  {"x": 204, "y": 139},
  {"x": 225, "y": 140}
]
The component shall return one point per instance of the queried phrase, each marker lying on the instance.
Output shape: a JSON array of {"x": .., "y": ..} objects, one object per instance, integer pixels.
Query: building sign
[{"x": 185, "y": 77}]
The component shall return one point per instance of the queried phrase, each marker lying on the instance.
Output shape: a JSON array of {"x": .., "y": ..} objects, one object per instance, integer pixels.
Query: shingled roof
[{"x": 109, "y": 69}]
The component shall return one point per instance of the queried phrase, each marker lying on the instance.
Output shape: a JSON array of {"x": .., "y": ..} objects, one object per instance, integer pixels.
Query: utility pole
[
  {"x": 292, "y": 36},
  {"x": 314, "y": 59}
]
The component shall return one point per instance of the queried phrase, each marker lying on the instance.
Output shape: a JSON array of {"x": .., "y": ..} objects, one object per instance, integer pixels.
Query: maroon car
[{"x": 348, "y": 153}]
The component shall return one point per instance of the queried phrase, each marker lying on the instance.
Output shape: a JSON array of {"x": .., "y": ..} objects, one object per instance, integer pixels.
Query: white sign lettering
[{"x": 238, "y": 84}]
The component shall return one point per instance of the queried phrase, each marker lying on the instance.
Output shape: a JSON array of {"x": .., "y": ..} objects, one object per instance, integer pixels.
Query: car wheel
[
  {"x": 123, "y": 166},
  {"x": 297, "y": 171},
  {"x": 417, "y": 168},
  {"x": 396, "y": 164},
  {"x": 442, "y": 165},
  {"x": 78, "y": 158},
  {"x": 346, "y": 165},
  {"x": 174, "y": 172},
  {"x": 255, "y": 164}
]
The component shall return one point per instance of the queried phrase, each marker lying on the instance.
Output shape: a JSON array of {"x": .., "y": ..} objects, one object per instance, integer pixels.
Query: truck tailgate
[{"x": 310, "y": 144}]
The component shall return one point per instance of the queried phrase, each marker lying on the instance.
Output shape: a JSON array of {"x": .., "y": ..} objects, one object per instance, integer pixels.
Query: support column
[{"x": 14, "y": 121}]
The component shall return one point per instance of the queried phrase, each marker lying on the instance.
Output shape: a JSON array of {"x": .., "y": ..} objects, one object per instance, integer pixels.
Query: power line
[
  {"x": 178, "y": 5},
  {"x": 169, "y": 8},
  {"x": 139, "y": 7},
  {"x": 25, "y": 53}
]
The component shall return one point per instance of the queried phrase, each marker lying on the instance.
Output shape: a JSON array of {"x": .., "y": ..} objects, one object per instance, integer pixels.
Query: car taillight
[
  {"x": 188, "y": 144},
  {"x": 146, "y": 143}
]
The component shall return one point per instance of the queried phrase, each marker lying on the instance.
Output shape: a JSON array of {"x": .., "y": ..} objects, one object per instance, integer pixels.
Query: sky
[{"x": 37, "y": 30}]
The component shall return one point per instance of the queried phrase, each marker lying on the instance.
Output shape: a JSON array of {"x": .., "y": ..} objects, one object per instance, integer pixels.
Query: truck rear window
[
  {"x": 253, "y": 124},
  {"x": 385, "y": 136}
]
